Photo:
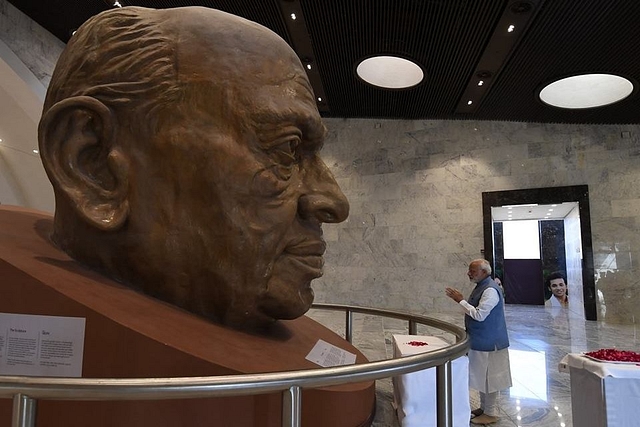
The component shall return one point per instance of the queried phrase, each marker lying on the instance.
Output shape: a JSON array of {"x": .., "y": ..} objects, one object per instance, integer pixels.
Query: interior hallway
[{"x": 540, "y": 337}]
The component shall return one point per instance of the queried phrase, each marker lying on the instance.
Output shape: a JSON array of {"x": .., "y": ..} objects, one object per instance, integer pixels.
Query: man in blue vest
[{"x": 489, "y": 370}]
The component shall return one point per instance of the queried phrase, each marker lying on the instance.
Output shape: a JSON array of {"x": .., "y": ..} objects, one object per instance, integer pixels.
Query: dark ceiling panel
[
  {"x": 444, "y": 37},
  {"x": 447, "y": 38},
  {"x": 567, "y": 38}
]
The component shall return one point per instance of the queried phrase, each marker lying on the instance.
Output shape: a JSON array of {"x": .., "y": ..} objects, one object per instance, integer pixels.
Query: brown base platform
[{"x": 131, "y": 335}]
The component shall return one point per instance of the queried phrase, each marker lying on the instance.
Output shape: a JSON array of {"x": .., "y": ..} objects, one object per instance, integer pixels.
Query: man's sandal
[{"x": 477, "y": 412}]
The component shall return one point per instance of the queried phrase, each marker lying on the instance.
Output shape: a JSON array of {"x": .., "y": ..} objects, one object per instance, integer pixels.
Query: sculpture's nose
[{"x": 322, "y": 199}]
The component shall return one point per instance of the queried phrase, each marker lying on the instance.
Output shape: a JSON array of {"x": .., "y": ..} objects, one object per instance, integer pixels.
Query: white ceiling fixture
[
  {"x": 390, "y": 72},
  {"x": 586, "y": 91}
]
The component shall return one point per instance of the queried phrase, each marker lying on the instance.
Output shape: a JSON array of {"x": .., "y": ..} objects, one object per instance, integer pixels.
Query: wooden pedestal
[{"x": 131, "y": 335}]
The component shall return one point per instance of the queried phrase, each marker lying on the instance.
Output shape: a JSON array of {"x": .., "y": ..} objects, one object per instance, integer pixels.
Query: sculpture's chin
[
  {"x": 270, "y": 308},
  {"x": 285, "y": 295},
  {"x": 288, "y": 294},
  {"x": 286, "y": 306}
]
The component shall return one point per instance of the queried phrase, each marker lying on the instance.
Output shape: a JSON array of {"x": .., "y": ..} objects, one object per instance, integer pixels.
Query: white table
[
  {"x": 415, "y": 393},
  {"x": 603, "y": 394}
]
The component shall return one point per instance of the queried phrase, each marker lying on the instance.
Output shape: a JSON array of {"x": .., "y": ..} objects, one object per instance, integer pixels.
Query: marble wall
[
  {"x": 415, "y": 191},
  {"x": 416, "y": 208},
  {"x": 36, "y": 47}
]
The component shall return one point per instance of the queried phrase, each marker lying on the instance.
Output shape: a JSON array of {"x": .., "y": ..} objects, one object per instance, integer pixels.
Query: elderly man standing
[{"x": 489, "y": 370}]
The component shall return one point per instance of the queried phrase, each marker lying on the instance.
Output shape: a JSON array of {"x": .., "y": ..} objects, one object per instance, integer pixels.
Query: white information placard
[
  {"x": 325, "y": 354},
  {"x": 44, "y": 346}
]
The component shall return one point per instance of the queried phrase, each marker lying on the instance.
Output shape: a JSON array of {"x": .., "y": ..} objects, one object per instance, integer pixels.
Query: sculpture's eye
[
  {"x": 286, "y": 153},
  {"x": 286, "y": 156}
]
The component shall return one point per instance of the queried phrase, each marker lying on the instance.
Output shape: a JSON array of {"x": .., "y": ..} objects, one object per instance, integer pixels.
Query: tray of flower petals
[
  {"x": 612, "y": 355},
  {"x": 417, "y": 343}
]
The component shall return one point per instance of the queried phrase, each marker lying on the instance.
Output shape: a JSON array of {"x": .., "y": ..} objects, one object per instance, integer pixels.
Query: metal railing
[{"x": 25, "y": 391}]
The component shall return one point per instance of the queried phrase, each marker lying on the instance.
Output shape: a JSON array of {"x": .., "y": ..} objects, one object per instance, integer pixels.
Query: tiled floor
[{"x": 540, "y": 337}]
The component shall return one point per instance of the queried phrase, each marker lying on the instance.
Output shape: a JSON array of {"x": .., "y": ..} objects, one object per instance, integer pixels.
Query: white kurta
[{"x": 489, "y": 371}]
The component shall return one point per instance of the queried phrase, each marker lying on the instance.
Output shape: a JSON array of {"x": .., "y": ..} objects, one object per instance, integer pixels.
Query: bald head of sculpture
[{"x": 183, "y": 149}]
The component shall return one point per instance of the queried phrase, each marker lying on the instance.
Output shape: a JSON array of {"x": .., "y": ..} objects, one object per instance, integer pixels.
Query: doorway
[
  {"x": 529, "y": 245},
  {"x": 580, "y": 216}
]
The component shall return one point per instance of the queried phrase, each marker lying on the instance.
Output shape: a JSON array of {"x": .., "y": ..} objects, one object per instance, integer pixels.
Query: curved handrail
[
  {"x": 239, "y": 385},
  {"x": 425, "y": 320}
]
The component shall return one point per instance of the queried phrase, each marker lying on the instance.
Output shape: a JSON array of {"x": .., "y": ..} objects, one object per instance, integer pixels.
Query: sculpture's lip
[
  {"x": 312, "y": 263},
  {"x": 307, "y": 248},
  {"x": 307, "y": 256}
]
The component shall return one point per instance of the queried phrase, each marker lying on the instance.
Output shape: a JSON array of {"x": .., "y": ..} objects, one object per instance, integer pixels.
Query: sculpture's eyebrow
[
  {"x": 295, "y": 109},
  {"x": 303, "y": 81},
  {"x": 272, "y": 124}
]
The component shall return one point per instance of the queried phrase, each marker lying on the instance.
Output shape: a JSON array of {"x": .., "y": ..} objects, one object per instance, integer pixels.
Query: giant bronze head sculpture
[{"x": 183, "y": 148}]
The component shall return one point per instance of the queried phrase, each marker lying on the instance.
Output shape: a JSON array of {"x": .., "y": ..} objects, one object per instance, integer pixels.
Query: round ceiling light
[
  {"x": 390, "y": 72},
  {"x": 586, "y": 91}
]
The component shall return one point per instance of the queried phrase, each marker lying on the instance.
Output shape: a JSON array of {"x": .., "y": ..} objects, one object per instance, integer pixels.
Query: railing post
[
  {"x": 292, "y": 407},
  {"x": 413, "y": 327},
  {"x": 348, "y": 328},
  {"x": 444, "y": 410},
  {"x": 24, "y": 411}
]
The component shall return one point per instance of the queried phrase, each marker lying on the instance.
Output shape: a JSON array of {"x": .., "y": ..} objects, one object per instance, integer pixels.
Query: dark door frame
[{"x": 548, "y": 196}]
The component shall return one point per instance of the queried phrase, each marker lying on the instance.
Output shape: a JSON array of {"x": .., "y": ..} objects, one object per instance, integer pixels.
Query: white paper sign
[
  {"x": 46, "y": 346},
  {"x": 325, "y": 354}
]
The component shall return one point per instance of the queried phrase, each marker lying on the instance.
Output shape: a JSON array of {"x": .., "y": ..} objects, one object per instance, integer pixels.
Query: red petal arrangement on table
[
  {"x": 613, "y": 355},
  {"x": 417, "y": 343}
]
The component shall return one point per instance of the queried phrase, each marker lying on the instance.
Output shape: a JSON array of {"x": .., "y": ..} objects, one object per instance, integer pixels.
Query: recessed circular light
[
  {"x": 390, "y": 72},
  {"x": 586, "y": 91}
]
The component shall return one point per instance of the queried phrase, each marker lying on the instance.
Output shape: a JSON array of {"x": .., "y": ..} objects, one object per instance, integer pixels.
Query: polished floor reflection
[{"x": 540, "y": 338}]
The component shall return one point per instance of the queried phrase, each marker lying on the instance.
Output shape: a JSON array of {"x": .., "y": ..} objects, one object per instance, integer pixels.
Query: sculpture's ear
[{"x": 77, "y": 148}]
